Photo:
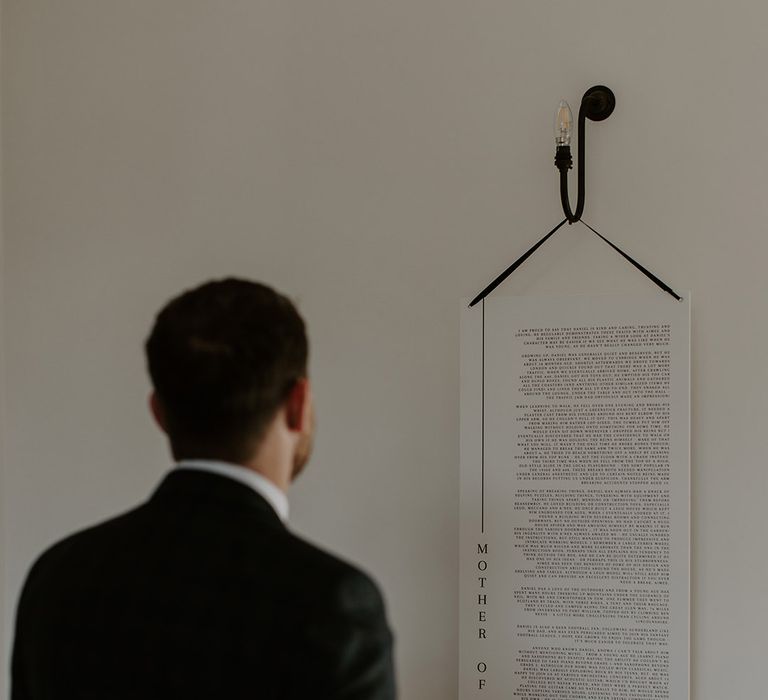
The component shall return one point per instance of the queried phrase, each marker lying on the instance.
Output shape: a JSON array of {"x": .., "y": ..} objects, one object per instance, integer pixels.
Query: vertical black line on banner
[{"x": 482, "y": 438}]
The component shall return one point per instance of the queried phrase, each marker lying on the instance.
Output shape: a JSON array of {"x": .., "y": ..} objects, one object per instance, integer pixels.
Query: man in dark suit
[{"x": 202, "y": 591}]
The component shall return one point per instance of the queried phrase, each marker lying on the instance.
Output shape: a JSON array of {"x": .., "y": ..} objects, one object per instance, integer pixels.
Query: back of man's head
[{"x": 222, "y": 358}]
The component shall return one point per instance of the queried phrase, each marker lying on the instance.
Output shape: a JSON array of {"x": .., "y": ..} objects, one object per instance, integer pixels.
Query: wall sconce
[{"x": 597, "y": 104}]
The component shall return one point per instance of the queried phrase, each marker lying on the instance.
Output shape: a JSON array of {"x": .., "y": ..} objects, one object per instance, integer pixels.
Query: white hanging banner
[{"x": 575, "y": 498}]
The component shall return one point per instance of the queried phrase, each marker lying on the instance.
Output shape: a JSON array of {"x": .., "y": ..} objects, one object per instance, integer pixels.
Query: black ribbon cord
[{"x": 536, "y": 246}]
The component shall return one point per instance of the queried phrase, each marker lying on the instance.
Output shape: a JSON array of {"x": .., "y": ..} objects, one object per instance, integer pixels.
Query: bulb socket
[{"x": 563, "y": 159}]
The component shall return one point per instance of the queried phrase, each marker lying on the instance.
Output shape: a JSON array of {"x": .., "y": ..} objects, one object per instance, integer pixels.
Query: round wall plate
[{"x": 598, "y": 102}]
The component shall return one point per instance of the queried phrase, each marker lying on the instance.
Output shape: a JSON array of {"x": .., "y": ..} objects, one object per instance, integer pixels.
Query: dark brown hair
[{"x": 222, "y": 358}]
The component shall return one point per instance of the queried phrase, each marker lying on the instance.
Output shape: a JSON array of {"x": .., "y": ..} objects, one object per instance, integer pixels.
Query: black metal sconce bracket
[{"x": 597, "y": 104}]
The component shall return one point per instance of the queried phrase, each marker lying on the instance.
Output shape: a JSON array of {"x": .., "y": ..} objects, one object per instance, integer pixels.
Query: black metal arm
[{"x": 597, "y": 104}]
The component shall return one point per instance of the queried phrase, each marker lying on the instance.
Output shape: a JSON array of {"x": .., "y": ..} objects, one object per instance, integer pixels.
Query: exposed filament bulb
[{"x": 563, "y": 124}]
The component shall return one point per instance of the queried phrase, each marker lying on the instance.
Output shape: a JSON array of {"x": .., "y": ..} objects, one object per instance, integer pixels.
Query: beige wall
[{"x": 379, "y": 160}]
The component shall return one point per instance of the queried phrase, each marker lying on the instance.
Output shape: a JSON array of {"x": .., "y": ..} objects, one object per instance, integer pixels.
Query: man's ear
[
  {"x": 297, "y": 406},
  {"x": 158, "y": 412}
]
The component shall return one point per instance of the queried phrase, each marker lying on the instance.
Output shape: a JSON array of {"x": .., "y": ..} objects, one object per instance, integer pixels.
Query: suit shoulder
[
  {"x": 316, "y": 555},
  {"x": 347, "y": 584},
  {"x": 72, "y": 547}
]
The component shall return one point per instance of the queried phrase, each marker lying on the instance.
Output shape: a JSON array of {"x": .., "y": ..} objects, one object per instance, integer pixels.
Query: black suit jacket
[{"x": 201, "y": 592}]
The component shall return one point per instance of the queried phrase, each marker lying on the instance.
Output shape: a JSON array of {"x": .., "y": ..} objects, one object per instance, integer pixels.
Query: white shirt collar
[{"x": 263, "y": 486}]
